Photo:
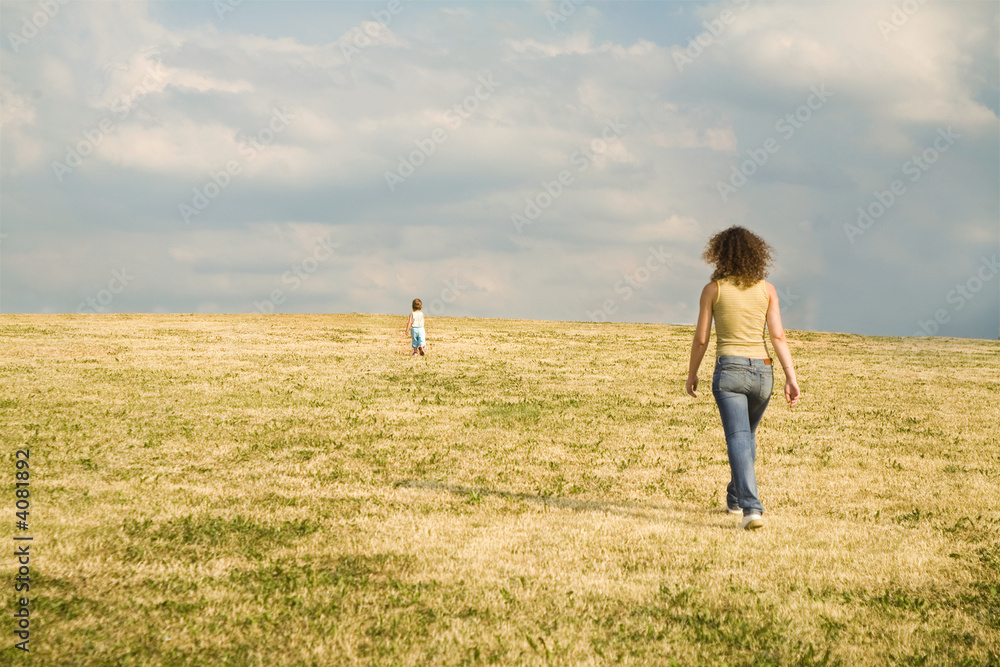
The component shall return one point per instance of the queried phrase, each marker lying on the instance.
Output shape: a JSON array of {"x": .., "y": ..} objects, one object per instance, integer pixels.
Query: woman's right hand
[
  {"x": 691, "y": 386},
  {"x": 792, "y": 392}
]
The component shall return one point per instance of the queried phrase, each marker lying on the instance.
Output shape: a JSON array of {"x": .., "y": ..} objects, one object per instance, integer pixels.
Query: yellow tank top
[{"x": 740, "y": 315}]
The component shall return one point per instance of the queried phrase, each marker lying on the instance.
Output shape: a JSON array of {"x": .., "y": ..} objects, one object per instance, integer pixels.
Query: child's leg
[{"x": 414, "y": 352}]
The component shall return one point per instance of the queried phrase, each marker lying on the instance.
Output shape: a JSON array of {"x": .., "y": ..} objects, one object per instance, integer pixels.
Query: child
[{"x": 415, "y": 327}]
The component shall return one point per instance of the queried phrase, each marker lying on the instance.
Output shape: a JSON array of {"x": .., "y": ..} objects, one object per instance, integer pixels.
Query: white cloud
[
  {"x": 17, "y": 112},
  {"x": 914, "y": 75},
  {"x": 356, "y": 114}
]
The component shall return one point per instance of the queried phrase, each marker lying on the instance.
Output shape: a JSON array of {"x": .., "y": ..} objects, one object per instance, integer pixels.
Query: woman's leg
[
  {"x": 729, "y": 387},
  {"x": 741, "y": 450},
  {"x": 757, "y": 399}
]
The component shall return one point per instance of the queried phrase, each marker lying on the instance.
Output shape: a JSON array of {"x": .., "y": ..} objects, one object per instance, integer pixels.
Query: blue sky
[{"x": 544, "y": 160}]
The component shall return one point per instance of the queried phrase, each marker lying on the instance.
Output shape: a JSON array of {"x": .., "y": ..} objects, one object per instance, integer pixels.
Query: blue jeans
[
  {"x": 417, "y": 336},
  {"x": 742, "y": 390}
]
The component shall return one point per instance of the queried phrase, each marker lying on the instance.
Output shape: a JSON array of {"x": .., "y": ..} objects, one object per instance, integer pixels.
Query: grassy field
[{"x": 298, "y": 490}]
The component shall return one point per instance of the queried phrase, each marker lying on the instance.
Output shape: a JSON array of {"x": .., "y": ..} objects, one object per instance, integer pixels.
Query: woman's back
[{"x": 739, "y": 316}]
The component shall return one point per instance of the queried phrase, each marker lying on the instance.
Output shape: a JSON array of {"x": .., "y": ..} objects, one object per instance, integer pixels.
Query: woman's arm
[
  {"x": 702, "y": 335},
  {"x": 780, "y": 344}
]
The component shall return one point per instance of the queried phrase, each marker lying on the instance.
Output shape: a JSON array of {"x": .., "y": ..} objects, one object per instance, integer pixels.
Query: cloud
[
  {"x": 187, "y": 96},
  {"x": 917, "y": 74}
]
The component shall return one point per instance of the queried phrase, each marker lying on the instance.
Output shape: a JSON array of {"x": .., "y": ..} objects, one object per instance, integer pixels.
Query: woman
[{"x": 741, "y": 301}]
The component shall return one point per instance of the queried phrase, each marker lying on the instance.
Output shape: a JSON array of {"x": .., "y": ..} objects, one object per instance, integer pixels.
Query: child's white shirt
[{"x": 418, "y": 319}]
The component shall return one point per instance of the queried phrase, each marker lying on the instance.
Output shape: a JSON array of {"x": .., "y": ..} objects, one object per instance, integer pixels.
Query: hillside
[{"x": 289, "y": 490}]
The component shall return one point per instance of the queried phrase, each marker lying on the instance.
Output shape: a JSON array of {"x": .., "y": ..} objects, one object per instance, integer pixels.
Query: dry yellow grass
[{"x": 293, "y": 490}]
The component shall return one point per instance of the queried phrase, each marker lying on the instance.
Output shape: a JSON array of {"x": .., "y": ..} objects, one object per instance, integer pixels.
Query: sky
[{"x": 550, "y": 160}]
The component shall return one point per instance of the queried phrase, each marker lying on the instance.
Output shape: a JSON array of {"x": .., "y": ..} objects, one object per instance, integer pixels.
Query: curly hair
[{"x": 740, "y": 255}]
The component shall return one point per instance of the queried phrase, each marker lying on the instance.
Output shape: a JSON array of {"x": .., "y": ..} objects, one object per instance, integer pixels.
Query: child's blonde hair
[{"x": 417, "y": 304}]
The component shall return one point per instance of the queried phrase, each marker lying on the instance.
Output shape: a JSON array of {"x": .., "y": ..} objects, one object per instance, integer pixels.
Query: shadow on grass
[{"x": 617, "y": 507}]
